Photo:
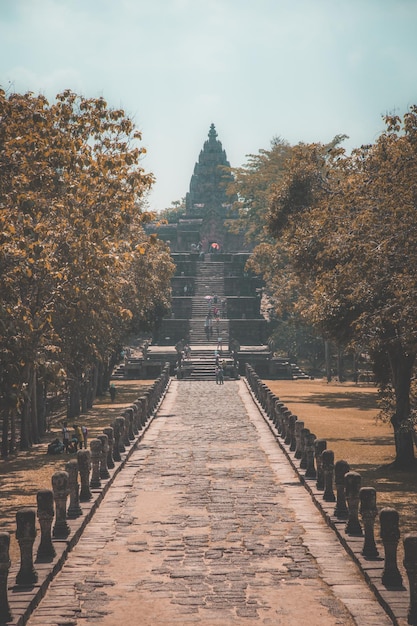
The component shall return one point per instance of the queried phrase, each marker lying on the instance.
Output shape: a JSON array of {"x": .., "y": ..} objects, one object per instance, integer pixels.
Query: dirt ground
[
  {"x": 25, "y": 473},
  {"x": 345, "y": 415}
]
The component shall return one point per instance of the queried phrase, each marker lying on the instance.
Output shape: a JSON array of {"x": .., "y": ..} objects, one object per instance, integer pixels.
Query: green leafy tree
[{"x": 349, "y": 226}]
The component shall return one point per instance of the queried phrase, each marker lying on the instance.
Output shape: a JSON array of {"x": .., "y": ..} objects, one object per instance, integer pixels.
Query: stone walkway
[{"x": 208, "y": 524}]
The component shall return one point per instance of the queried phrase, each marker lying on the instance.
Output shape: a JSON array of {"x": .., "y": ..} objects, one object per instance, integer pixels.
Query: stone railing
[
  {"x": 348, "y": 507},
  {"x": 64, "y": 510}
]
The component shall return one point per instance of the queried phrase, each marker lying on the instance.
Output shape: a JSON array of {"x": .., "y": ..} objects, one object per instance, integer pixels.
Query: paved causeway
[{"x": 207, "y": 524}]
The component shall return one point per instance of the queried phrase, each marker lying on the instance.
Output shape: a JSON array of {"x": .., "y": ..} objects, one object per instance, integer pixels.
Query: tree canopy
[
  {"x": 347, "y": 224},
  {"x": 71, "y": 191}
]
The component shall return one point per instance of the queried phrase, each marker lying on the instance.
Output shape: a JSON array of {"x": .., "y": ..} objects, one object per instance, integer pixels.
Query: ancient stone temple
[
  {"x": 216, "y": 301},
  {"x": 208, "y": 206}
]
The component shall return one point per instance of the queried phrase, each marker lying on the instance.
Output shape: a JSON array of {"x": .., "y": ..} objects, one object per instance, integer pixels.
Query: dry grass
[
  {"x": 345, "y": 415},
  {"x": 24, "y": 474}
]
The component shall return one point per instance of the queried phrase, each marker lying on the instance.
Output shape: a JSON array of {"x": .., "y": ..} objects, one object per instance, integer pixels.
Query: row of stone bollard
[
  {"x": 343, "y": 486},
  {"x": 63, "y": 502}
]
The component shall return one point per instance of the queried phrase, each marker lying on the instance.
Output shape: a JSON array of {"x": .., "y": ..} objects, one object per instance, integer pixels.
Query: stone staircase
[{"x": 209, "y": 281}]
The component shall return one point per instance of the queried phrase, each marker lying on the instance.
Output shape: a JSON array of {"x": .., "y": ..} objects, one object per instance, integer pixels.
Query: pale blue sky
[{"x": 304, "y": 70}]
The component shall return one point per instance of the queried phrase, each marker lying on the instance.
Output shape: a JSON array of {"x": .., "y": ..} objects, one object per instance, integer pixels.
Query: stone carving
[
  {"x": 327, "y": 458},
  {"x": 390, "y": 536},
  {"x": 74, "y": 509},
  {"x": 352, "y": 487},
  {"x": 5, "y": 612},
  {"x": 84, "y": 466},
  {"x": 96, "y": 453},
  {"x": 341, "y": 468},
  {"x": 410, "y": 564},
  {"x": 45, "y": 513},
  {"x": 319, "y": 446},
  {"x": 368, "y": 511},
  {"x": 25, "y": 535},
  {"x": 60, "y": 488}
]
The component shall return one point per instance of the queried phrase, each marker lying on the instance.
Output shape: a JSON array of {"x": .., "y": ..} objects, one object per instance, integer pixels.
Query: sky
[{"x": 302, "y": 70}]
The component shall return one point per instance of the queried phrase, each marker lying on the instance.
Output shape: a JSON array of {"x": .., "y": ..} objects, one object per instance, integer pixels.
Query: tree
[
  {"x": 349, "y": 226},
  {"x": 254, "y": 184},
  {"x": 71, "y": 189}
]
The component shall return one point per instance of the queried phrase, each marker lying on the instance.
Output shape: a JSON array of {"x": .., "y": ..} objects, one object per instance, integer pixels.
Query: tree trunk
[
  {"x": 13, "y": 434},
  {"x": 33, "y": 407},
  {"x": 5, "y": 434},
  {"x": 401, "y": 365},
  {"x": 340, "y": 373},
  {"x": 74, "y": 399},
  {"x": 327, "y": 361}
]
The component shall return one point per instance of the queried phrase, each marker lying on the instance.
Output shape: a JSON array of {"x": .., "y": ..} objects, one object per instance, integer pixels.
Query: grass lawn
[
  {"x": 345, "y": 415},
  {"x": 24, "y": 474}
]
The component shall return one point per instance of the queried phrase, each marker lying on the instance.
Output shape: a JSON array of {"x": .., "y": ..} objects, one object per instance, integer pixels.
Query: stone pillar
[
  {"x": 104, "y": 471},
  {"x": 128, "y": 415},
  {"x": 340, "y": 469},
  {"x": 96, "y": 450},
  {"x": 299, "y": 425},
  {"x": 138, "y": 405},
  {"x": 110, "y": 439},
  {"x": 125, "y": 433},
  {"x": 121, "y": 423},
  {"x": 319, "y": 446},
  {"x": 368, "y": 511},
  {"x": 116, "y": 444},
  {"x": 45, "y": 512},
  {"x": 135, "y": 418},
  {"x": 25, "y": 535},
  {"x": 288, "y": 417},
  {"x": 309, "y": 447},
  {"x": 60, "y": 489},
  {"x": 84, "y": 465},
  {"x": 390, "y": 536},
  {"x": 352, "y": 487},
  {"x": 5, "y": 612},
  {"x": 410, "y": 564},
  {"x": 292, "y": 423},
  {"x": 279, "y": 407},
  {"x": 327, "y": 458},
  {"x": 303, "y": 459},
  {"x": 74, "y": 509},
  {"x": 285, "y": 424}
]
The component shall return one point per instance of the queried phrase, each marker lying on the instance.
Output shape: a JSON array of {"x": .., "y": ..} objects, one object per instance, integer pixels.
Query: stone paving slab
[{"x": 208, "y": 524}]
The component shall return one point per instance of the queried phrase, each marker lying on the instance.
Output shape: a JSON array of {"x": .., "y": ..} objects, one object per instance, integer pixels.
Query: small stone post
[
  {"x": 341, "y": 468},
  {"x": 327, "y": 458},
  {"x": 116, "y": 444},
  {"x": 310, "y": 469},
  {"x": 125, "y": 434},
  {"x": 60, "y": 488},
  {"x": 292, "y": 423},
  {"x": 368, "y": 511},
  {"x": 410, "y": 564},
  {"x": 25, "y": 535},
  {"x": 352, "y": 487},
  {"x": 96, "y": 451},
  {"x": 303, "y": 459},
  {"x": 74, "y": 509},
  {"x": 45, "y": 512},
  {"x": 110, "y": 439},
  {"x": 299, "y": 425},
  {"x": 390, "y": 536},
  {"x": 319, "y": 446},
  {"x": 104, "y": 471},
  {"x": 5, "y": 613},
  {"x": 288, "y": 416},
  {"x": 84, "y": 465},
  {"x": 135, "y": 419},
  {"x": 121, "y": 423},
  {"x": 128, "y": 415}
]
